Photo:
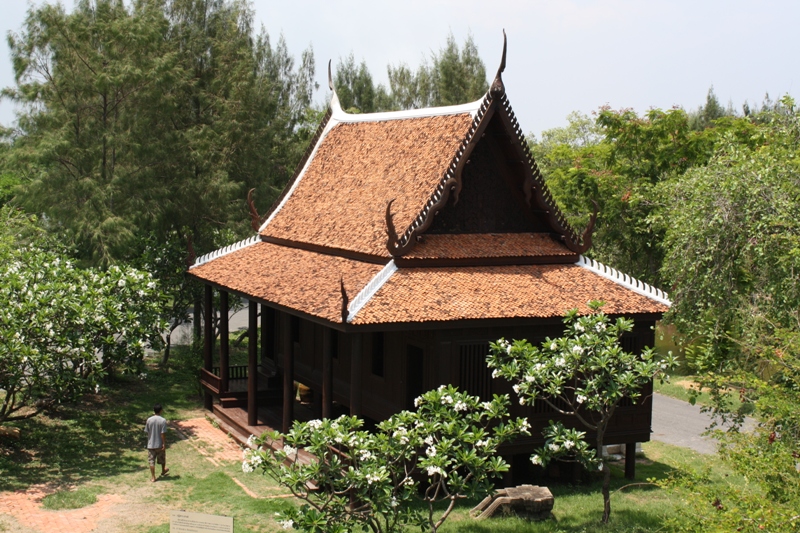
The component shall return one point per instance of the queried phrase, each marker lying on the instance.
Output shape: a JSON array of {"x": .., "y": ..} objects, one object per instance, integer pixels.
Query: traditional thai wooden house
[{"x": 405, "y": 242}]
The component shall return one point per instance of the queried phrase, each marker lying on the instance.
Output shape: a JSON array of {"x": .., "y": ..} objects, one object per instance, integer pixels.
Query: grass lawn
[
  {"x": 680, "y": 387},
  {"x": 96, "y": 448}
]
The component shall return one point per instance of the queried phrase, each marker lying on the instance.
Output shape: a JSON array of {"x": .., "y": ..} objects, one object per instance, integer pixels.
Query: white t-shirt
[{"x": 155, "y": 426}]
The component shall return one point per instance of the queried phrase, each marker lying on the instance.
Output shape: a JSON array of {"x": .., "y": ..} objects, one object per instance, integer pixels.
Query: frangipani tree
[
  {"x": 63, "y": 327},
  {"x": 444, "y": 451},
  {"x": 584, "y": 374}
]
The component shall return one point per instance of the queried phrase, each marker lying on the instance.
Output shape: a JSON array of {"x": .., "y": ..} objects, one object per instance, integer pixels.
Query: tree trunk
[
  {"x": 196, "y": 324},
  {"x": 606, "y": 493},
  {"x": 606, "y": 477},
  {"x": 167, "y": 344}
]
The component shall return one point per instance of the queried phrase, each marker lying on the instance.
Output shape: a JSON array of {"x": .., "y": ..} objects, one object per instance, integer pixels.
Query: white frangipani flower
[
  {"x": 435, "y": 470},
  {"x": 289, "y": 450}
]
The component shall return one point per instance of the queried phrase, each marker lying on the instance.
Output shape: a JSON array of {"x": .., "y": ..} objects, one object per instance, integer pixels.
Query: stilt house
[{"x": 405, "y": 242}]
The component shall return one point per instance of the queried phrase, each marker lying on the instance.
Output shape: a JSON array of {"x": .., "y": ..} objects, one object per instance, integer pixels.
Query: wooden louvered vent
[{"x": 475, "y": 376}]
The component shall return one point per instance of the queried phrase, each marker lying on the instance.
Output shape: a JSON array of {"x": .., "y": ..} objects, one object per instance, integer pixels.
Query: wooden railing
[
  {"x": 210, "y": 380},
  {"x": 234, "y": 372}
]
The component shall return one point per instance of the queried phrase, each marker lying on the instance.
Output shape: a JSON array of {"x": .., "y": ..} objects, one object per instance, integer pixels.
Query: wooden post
[
  {"x": 264, "y": 339},
  {"x": 268, "y": 333},
  {"x": 252, "y": 366},
  {"x": 288, "y": 373},
  {"x": 208, "y": 341},
  {"x": 355, "y": 374},
  {"x": 630, "y": 460},
  {"x": 223, "y": 342},
  {"x": 327, "y": 373}
]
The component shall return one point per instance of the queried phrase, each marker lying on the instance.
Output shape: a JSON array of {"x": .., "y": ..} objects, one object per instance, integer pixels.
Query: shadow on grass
[
  {"x": 101, "y": 436},
  {"x": 639, "y": 507}
]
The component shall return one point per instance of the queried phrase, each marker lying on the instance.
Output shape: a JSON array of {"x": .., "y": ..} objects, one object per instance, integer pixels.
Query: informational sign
[{"x": 186, "y": 522}]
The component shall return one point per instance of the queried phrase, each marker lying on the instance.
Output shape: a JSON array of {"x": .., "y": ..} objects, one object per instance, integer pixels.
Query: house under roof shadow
[{"x": 406, "y": 242}]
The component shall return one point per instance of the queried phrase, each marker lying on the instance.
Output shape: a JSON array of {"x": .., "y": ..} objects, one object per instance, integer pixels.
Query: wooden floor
[
  {"x": 233, "y": 420},
  {"x": 240, "y": 385}
]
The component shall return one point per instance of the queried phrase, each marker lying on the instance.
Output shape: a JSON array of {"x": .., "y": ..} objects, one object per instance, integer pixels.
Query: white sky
[{"x": 563, "y": 55}]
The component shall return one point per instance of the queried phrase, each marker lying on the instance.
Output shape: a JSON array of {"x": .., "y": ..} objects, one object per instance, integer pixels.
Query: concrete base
[{"x": 526, "y": 501}]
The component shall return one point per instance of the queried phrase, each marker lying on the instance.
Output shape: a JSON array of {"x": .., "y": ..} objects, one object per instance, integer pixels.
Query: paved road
[
  {"x": 682, "y": 424},
  {"x": 183, "y": 333}
]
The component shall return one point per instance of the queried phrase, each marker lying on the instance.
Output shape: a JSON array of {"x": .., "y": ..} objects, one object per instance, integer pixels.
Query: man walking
[{"x": 156, "y": 429}]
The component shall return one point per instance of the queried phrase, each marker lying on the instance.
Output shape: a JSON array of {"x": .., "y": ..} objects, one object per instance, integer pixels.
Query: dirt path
[{"x": 22, "y": 511}]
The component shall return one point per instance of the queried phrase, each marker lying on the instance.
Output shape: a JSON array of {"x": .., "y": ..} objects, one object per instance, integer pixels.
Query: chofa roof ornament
[
  {"x": 336, "y": 106},
  {"x": 497, "y": 89},
  {"x": 255, "y": 219}
]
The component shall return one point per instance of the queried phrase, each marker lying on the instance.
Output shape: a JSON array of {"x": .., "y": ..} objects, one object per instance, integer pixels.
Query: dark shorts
[{"x": 156, "y": 455}]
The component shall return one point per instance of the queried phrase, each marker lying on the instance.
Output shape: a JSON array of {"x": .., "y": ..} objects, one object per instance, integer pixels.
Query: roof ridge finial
[
  {"x": 497, "y": 89},
  {"x": 336, "y": 106}
]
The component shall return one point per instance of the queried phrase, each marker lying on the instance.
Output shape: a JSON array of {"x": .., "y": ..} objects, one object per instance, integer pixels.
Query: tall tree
[
  {"x": 619, "y": 163},
  {"x": 86, "y": 80},
  {"x": 453, "y": 76},
  {"x": 457, "y": 75},
  {"x": 732, "y": 256},
  {"x": 354, "y": 86},
  {"x": 152, "y": 118},
  {"x": 712, "y": 110}
]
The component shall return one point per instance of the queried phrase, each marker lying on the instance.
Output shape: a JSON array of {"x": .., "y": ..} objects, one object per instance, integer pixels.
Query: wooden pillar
[
  {"x": 288, "y": 373},
  {"x": 223, "y": 341},
  {"x": 264, "y": 346},
  {"x": 208, "y": 340},
  {"x": 267, "y": 333},
  {"x": 630, "y": 460},
  {"x": 355, "y": 374},
  {"x": 252, "y": 366},
  {"x": 327, "y": 372}
]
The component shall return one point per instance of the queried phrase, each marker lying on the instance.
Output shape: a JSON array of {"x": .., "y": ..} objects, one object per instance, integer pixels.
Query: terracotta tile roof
[
  {"x": 475, "y": 245},
  {"x": 340, "y": 200},
  {"x": 464, "y": 293},
  {"x": 298, "y": 279}
]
